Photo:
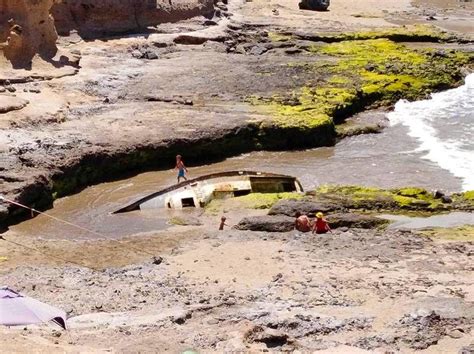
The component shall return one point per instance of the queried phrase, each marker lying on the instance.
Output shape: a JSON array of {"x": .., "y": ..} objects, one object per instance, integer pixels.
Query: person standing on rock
[
  {"x": 182, "y": 170},
  {"x": 321, "y": 226},
  {"x": 302, "y": 222},
  {"x": 222, "y": 224}
]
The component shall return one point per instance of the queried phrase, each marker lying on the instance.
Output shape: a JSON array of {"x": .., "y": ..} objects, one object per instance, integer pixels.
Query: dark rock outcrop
[
  {"x": 267, "y": 223},
  {"x": 97, "y": 18},
  {"x": 316, "y": 5},
  {"x": 355, "y": 220},
  {"x": 282, "y": 223},
  {"x": 289, "y": 207},
  {"x": 270, "y": 337},
  {"x": 422, "y": 330}
]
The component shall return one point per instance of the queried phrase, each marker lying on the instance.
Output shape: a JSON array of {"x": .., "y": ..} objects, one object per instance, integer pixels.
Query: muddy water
[
  {"x": 388, "y": 159},
  {"x": 445, "y": 220}
]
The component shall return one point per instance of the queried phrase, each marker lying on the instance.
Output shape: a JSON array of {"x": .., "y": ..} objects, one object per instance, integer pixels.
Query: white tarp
[{"x": 16, "y": 309}]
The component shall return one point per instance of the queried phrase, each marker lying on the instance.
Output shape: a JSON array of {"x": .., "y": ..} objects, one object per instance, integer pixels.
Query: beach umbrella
[{"x": 17, "y": 310}]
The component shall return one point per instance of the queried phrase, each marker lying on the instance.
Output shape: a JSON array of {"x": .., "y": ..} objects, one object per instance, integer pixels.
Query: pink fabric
[{"x": 16, "y": 309}]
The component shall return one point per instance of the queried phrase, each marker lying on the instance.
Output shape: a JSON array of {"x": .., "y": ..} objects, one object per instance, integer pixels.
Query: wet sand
[
  {"x": 451, "y": 15},
  {"x": 460, "y": 5}
]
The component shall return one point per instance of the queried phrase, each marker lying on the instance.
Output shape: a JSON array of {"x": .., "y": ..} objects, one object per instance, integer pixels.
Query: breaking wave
[{"x": 444, "y": 127}]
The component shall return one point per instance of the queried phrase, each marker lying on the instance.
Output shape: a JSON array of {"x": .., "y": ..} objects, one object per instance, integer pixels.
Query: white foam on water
[{"x": 424, "y": 120}]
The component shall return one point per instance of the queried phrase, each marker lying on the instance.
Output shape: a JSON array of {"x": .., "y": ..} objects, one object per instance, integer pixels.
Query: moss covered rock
[
  {"x": 413, "y": 33},
  {"x": 250, "y": 201},
  {"x": 464, "y": 201},
  {"x": 461, "y": 233},
  {"x": 359, "y": 70},
  {"x": 357, "y": 197}
]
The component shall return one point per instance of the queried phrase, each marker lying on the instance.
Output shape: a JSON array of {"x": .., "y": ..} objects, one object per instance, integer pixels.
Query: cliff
[
  {"x": 96, "y": 18},
  {"x": 26, "y": 28}
]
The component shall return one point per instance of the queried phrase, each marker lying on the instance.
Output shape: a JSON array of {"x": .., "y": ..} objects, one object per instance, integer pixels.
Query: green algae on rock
[
  {"x": 265, "y": 200},
  {"x": 468, "y": 195},
  {"x": 383, "y": 71},
  {"x": 461, "y": 233},
  {"x": 414, "y": 33},
  {"x": 250, "y": 201},
  {"x": 407, "y": 199},
  {"x": 352, "y": 75},
  {"x": 279, "y": 37},
  {"x": 400, "y": 199},
  {"x": 464, "y": 200}
]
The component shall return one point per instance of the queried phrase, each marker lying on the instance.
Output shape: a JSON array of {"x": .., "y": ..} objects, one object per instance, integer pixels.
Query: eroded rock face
[
  {"x": 94, "y": 18},
  {"x": 10, "y": 103},
  {"x": 267, "y": 223},
  {"x": 355, "y": 220},
  {"x": 289, "y": 207},
  {"x": 26, "y": 29}
]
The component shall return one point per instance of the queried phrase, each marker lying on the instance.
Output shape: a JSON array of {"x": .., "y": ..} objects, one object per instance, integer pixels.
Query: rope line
[
  {"x": 47, "y": 254},
  {"x": 74, "y": 225}
]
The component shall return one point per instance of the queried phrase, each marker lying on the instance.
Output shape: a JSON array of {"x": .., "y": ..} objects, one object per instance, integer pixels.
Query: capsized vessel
[{"x": 200, "y": 191}]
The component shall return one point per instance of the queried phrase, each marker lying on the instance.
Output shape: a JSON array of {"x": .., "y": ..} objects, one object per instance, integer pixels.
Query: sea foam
[{"x": 444, "y": 127}]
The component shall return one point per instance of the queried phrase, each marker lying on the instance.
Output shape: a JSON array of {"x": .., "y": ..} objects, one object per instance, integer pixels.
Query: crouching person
[
  {"x": 302, "y": 222},
  {"x": 321, "y": 226}
]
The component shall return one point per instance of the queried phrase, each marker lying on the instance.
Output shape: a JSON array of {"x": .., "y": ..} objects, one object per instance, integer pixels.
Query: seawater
[{"x": 444, "y": 129}]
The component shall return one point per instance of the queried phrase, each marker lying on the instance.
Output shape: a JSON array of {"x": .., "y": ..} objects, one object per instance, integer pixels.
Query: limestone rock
[
  {"x": 11, "y": 103},
  {"x": 144, "y": 52},
  {"x": 469, "y": 349},
  {"x": 181, "y": 317},
  {"x": 267, "y": 223},
  {"x": 26, "y": 29}
]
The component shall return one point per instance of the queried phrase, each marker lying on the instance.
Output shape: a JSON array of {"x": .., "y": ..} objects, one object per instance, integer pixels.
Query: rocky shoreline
[
  {"x": 255, "y": 76},
  {"x": 327, "y": 78}
]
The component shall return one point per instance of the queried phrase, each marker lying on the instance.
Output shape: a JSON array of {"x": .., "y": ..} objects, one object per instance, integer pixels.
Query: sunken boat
[{"x": 200, "y": 191}]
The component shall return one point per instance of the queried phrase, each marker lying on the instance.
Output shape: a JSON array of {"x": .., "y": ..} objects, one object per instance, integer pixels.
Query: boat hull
[{"x": 200, "y": 191}]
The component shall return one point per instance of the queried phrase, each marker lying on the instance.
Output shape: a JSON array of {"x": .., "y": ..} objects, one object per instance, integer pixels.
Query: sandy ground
[
  {"x": 236, "y": 290},
  {"x": 345, "y": 15},
  {"x": 452, "y": 15},
  {"x": 342, "y": 15}
]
